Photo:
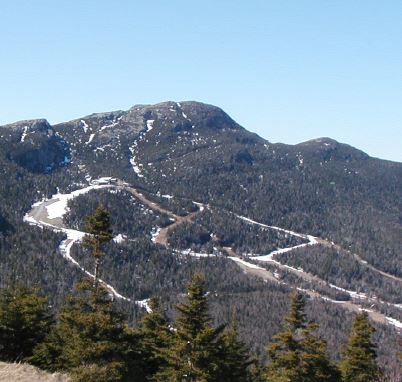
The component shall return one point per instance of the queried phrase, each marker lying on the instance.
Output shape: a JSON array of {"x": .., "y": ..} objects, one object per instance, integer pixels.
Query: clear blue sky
[{"x": 288, "y": 70}]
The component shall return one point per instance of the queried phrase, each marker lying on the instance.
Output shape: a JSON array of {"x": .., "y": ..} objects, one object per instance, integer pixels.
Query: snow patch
[
  {"x": 247, "y": 264},
  {"x": 58, "y": 208},
  {"x": 91, "y": 137},
  {"x": 248, "y": 220},
  {"x": 200, "y": 206},
  {"x": 351, "y": 293},
  {"x": 84, "y": 125},
  {"x": 167, "y": 196},
  {"x": 24, "y": 133},
  {"x": 394, "y": 322},
  {"x": 190, "y": 252},
  {"x": 144, "y": 304},
  {"x": 119, "y": 238},
  {"x": 150, "y": 124}
]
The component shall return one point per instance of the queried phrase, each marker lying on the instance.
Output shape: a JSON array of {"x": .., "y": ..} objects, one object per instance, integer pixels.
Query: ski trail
[
  {"x": 312, "y": 240},
  {"x": 49, "y": 213},
  {"x": 352, "y": 306},
  {"x": 138, "y": 167}
]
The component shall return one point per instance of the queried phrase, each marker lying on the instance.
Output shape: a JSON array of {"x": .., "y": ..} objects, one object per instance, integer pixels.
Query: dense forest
[{"x": 90, "y": 339}]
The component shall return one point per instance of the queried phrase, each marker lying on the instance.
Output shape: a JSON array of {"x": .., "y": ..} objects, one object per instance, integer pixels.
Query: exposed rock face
[{"x": 35, "y": 146}]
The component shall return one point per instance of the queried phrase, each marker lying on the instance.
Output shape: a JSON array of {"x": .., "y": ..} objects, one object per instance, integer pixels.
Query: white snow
[
  {"x": 394, "y": 322},
  {"x": 84, "y": 125},
  {"x": 269, "y": 257},
  {"x": 167, "y": 196},
  {"x": 150, "y": 124},
  {"x": 248, "y": 220},
  {"x": 90, "y": 139},
  {"x": 24, "y": 133},
  {"x": 200, "y": 206},
  {"x": 134, "y": 164},
  {"x": 351, "y": 293},
  {"x": 113, "y": 124},
  {"x": 331, "y": 300},
  {"x": 58, "y": 208},
  {"x": 118, "y": 239},
  {"x": 311, "y": 241},
  {"x": 249, "y": 265},
  {"x": 144, "y": 304},
  {"x": 190, "y": 252}
]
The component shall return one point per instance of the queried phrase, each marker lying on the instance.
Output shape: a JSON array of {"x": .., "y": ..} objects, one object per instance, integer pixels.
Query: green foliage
[
  {"x": 155, "y": 340},
  {"x": 195, "y": 350},
  {"x": 99, "y": 233},
  {"x": 25, "y": 320},
  {"x": 359, "y": 363},
  {"x": 296, "y": 353},
  {"x": 89, "y": 332},
  {"x": 98, "y": 227},
  {"x": 234, "y": 360}
]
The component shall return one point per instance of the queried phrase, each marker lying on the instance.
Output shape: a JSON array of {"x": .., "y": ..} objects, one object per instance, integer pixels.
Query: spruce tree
[
  {"x": 296, "y": 353},
  {"x": 358, "y": 362},
  {"x": 234, "y": 358},
  {"x": 91, "y": 340},
  {"x": 99, "y": 233},
  {"x": 194, "y": 355},
  {"x": 25, "y": 319},
  {"x": 155, "y": 339}
]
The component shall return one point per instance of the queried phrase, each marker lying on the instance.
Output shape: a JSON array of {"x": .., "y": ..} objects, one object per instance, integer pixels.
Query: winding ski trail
[{"x": 49, "y": 214}]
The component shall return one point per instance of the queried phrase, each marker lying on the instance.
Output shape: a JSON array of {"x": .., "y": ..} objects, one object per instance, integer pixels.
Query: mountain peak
[
  {"x": 31, "y": 124},
  {"x": 330, "y": 148}
]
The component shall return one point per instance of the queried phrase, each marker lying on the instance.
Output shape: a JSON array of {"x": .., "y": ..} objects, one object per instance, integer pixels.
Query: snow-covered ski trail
[{"x": 49, "y": 213}]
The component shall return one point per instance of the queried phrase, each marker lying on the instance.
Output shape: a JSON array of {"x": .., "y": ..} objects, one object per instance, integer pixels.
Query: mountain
[{"x": 189, "y": 182}]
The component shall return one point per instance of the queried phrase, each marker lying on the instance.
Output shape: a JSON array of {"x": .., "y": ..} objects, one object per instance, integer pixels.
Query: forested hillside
[{"x": 189, "y": 190}]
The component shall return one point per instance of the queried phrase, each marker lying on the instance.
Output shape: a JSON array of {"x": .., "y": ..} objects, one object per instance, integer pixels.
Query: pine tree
[
  {"x": 25, "y": 319},
  {"x": 155, "y": 340},
  {"x": 194, "y": 355},
  {"x": 99, "y": 233},
  {"x": 358, "y": 362},
  {"x": 91, "y": 340},
  {"x": 315, "y": 364},
  {"x": 296, "y": 354},
  {"x": 234, "y": 358}
]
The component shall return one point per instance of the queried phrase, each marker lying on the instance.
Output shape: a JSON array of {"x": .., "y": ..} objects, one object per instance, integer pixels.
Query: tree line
[{"x": 91, "y": 340}]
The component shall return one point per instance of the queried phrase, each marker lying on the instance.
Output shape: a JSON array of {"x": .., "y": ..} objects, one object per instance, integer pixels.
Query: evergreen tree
[
  {"x": 234, "y": 358},
  {"x": 91, "y": 340},
  {"x": 99, "y": 233},
  {"x": 296, "y": 353},
  {"x": 25, "y": 319},
  {"x": 358, "y": 362},
  {"x": 155, "y": 340},
  {"x": 194, "y": 355}
]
